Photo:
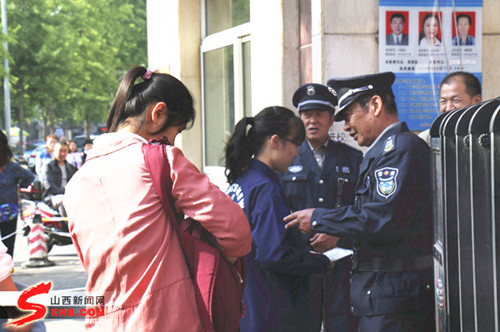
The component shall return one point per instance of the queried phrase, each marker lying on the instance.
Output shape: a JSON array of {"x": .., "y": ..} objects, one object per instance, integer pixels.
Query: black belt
[{"x": 393, "y": 264}]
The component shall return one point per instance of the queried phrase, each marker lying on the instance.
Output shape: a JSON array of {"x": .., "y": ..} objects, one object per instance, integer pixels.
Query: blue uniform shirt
[
  {"x": 391, "y": 218},
  {"x": 308, "y": 186},
  {"x": 278, "y": 266}
]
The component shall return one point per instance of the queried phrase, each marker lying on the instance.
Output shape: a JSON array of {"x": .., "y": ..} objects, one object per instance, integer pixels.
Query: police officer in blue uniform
[
  {"x": 323, "y": 175},
  {"x": 390, "y": 222}
]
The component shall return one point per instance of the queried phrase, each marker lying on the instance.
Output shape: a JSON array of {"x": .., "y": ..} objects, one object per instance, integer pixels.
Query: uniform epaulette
[{"x": 390, "y": 144}]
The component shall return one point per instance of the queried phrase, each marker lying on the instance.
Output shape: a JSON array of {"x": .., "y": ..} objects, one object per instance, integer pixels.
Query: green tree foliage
[{"x": 67, "y": 56}]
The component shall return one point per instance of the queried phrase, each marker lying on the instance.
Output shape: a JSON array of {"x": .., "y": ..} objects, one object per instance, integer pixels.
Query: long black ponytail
[
  {"x": 132, "y": 100},
  {"x": 250, "y": 134}
]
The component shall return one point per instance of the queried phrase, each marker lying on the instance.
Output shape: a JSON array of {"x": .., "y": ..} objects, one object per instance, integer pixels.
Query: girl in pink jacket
[{"x": 119, "y": 226}]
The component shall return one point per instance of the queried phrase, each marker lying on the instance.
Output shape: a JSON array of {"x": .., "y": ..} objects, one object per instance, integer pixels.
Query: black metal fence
[{"x": 465, "y": 147}]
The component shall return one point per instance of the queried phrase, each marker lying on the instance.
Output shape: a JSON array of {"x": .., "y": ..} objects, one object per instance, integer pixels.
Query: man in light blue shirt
[{"x": 463, "y": 38}]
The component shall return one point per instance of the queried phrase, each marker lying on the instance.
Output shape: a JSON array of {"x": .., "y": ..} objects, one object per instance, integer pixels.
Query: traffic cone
[{"x": 37, "y": 245}]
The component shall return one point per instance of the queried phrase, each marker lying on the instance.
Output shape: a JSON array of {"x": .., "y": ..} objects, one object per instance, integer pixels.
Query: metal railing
[{"x": 465, "y": 146}]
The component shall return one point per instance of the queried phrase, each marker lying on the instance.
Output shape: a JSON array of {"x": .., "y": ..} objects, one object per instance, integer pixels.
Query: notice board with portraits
[{"x": 422, "y": 41}]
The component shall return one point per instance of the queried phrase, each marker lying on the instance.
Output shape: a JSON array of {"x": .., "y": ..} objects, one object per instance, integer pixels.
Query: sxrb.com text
[
  {"x": 71, "y": 312},
  {"x": 37, "y": 311}
]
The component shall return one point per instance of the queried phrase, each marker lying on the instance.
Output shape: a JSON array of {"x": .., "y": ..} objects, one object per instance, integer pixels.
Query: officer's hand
[
  {"x": 323, "y": 242},
  {"x": 302, "y": 219}
]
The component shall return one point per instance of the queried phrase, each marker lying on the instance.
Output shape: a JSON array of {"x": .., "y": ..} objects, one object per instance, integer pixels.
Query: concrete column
[
  {"x": 345, "y": 43},
  {"x": 351, "y": 37},
  {"x": 491, "y": 48},
  {"x": 174, "y": 38},
  {"x": 291, "y": 54},
  {"x": 268, "y": 63},
  {"x": 318, "y": 39}
]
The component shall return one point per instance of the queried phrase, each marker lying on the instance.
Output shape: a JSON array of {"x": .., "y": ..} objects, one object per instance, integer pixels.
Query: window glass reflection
[
  {"x": 225, "y": 14},
  {"x": 247, "y": 80},
  {"x": 219, "y": 102}
]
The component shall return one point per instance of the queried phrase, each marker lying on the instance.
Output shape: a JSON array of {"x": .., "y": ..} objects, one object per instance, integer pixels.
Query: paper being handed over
[{"x": 337, "y": 253}]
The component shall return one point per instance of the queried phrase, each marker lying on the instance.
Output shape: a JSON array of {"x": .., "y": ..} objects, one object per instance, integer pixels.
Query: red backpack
[{"x": 218, "y": 284}]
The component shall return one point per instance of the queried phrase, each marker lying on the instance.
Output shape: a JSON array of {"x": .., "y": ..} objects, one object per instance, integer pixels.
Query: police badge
[
  {"x": 311, "y": 91},
  {"x": 295, "y": 168},
  {"x": 332, "y": 91},
  {"x": 386, "y": 181}
]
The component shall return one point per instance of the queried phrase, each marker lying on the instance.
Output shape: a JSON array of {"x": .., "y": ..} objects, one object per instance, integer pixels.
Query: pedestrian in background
[
  {"x": 390, "y": 222},
  {"x": 458, "y": 89},
  {"x": 88, "y": 144},
  {"x": 121, "y": 230},
  {"x": 46, "y": 155},
  {"x": 74, "y": 157},
  {"x": 56, "y": 175},
  {"x": 324, "y": 175},
  {"x": 11, "y": 175},
  {"x": 276, "y": 293}
]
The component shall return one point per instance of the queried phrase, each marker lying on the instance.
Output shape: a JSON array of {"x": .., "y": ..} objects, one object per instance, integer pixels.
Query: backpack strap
[{"x": 155, "y": 158}]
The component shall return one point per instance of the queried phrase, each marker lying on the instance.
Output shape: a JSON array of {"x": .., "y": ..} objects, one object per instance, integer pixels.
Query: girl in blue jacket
[{"x": 276, "y": 293}]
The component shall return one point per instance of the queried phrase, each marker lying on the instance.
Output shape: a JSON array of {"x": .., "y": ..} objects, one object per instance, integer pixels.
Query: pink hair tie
[{"x": 148, "y": 74}]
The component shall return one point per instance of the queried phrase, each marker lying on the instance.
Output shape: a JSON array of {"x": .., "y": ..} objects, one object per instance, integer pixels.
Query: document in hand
[{"x": 337, "y": 253}]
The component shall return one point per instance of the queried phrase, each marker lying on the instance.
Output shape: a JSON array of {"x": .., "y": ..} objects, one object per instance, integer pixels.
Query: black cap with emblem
[
  {"x": 351, "y": 88},
  {"x": 314, "y": 96}
]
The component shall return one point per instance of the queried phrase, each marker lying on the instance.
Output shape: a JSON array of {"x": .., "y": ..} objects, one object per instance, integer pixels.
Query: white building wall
[
  {"x": 266, "y": 18},
  {"x": 344, "y": 43},
  {"x": 174, "y": 45},
  {"x": 491, "y": 49}
]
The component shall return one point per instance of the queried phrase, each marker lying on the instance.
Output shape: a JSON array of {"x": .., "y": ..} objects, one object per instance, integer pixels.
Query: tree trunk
[
  {"x": 21, "y": 117},
  {"x": 44, "y": 129},
  {"x": 86, "y": 125},
  {"x": 51, "y": 118}
]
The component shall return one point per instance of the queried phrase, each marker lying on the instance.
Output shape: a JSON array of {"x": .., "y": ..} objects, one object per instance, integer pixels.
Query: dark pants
[
  {"x": 399, "y": 322},
  {"x": 330, "y": 296},
  {"x": 6, "y": 228}
]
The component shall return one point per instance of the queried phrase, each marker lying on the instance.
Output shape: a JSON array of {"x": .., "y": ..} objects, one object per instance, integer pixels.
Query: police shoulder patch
[
  {"x": 386, "y": 181},
  {"x": 295, "y": 168}
]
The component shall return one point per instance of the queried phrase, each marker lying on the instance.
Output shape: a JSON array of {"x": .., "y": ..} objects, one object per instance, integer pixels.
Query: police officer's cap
[
  {"x": 314, "y": 96},
  {"x": 351, "y": 88}
]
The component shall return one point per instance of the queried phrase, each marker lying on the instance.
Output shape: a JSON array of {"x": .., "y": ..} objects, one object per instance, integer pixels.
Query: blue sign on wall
[{"x": 421, "y": 43}]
